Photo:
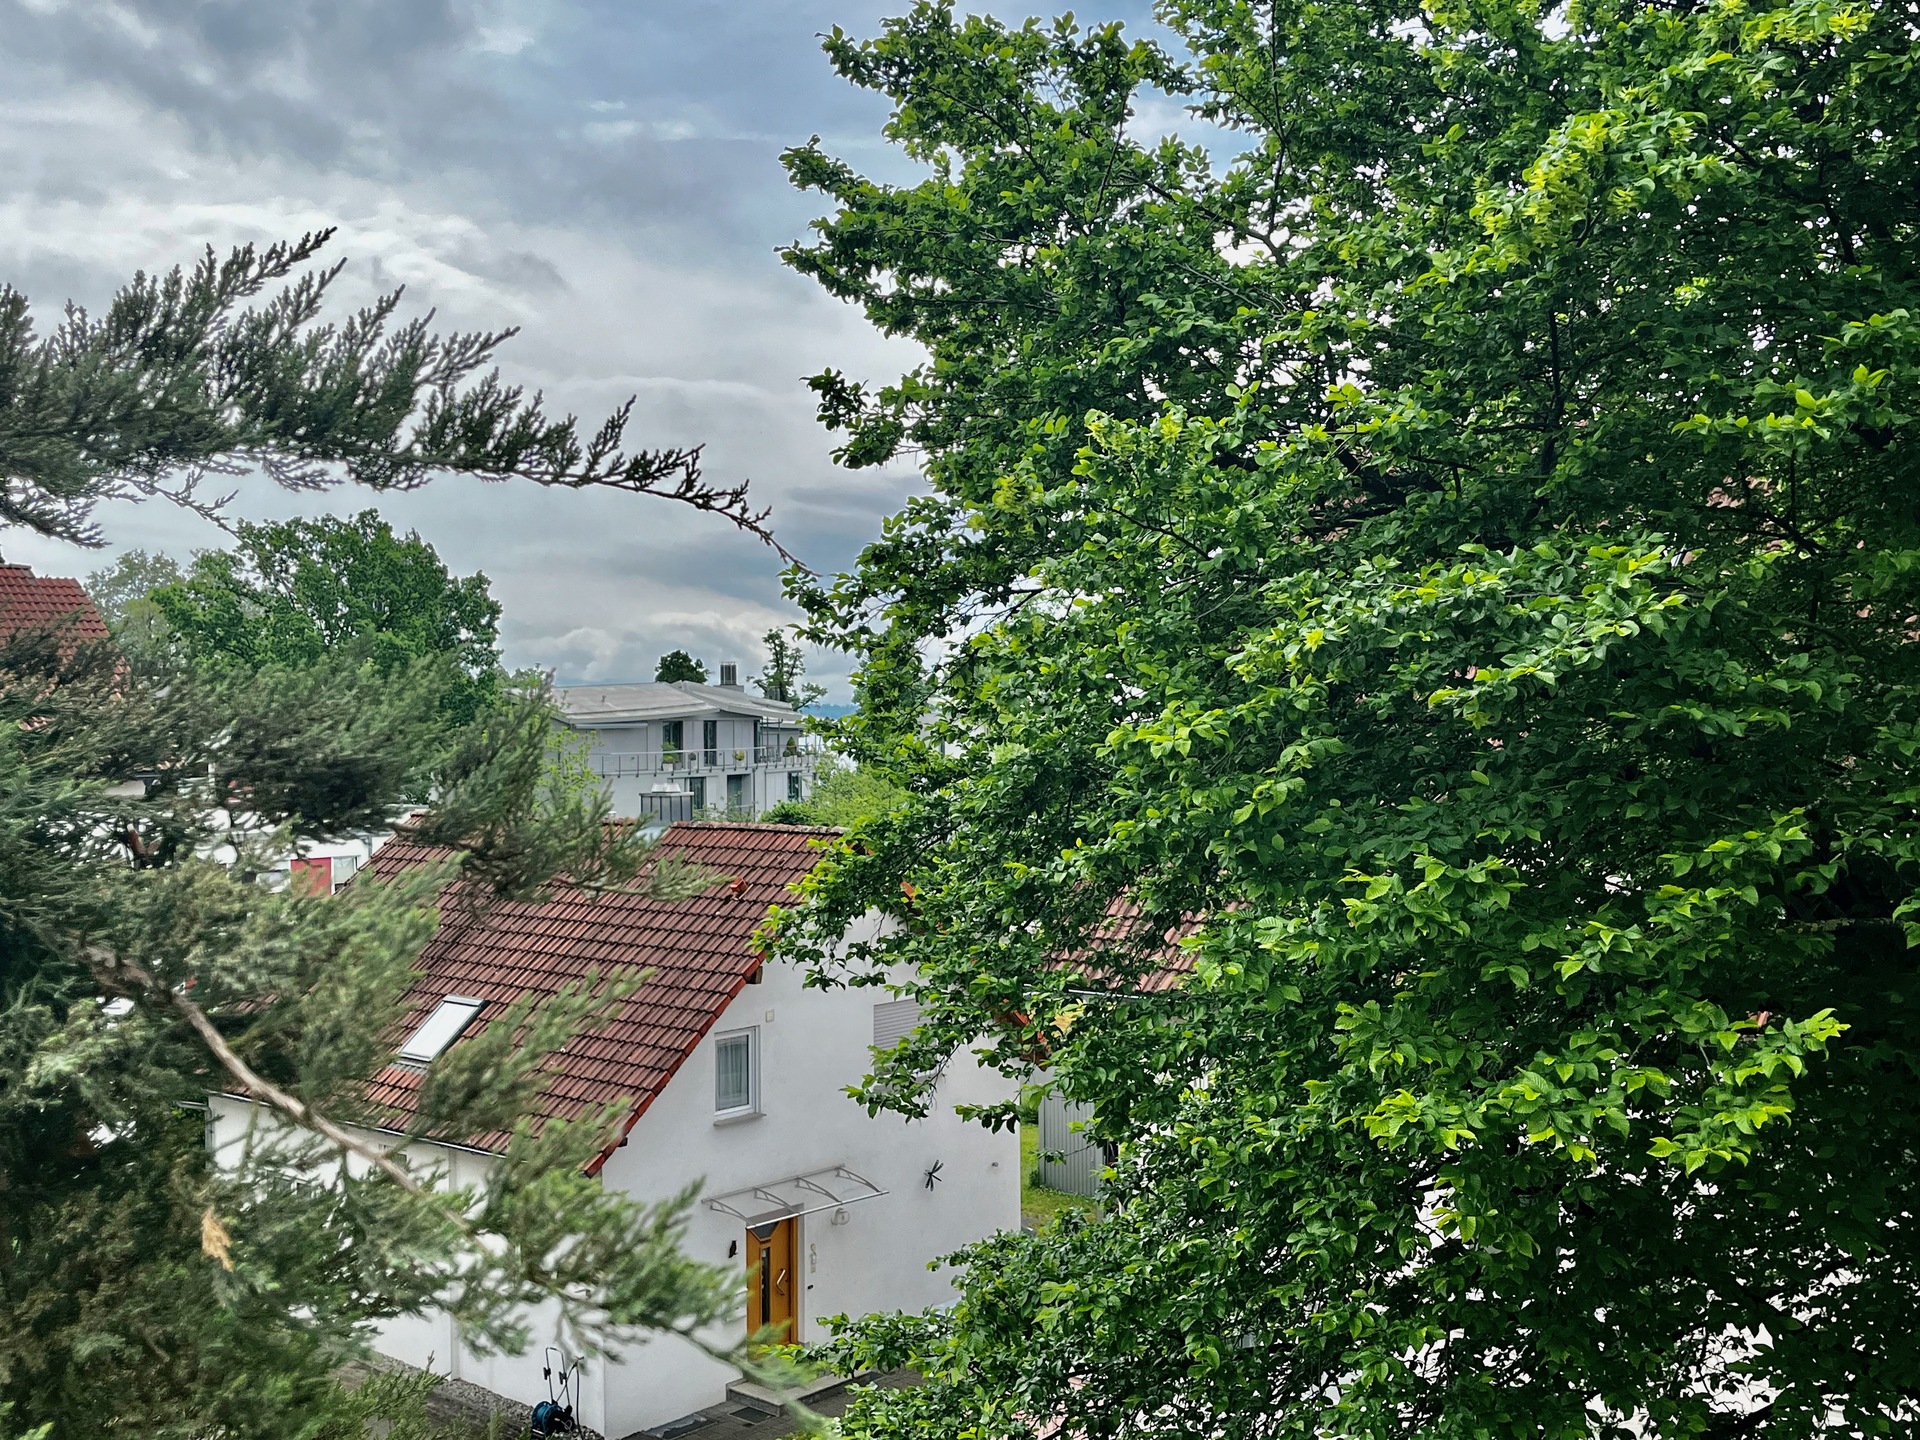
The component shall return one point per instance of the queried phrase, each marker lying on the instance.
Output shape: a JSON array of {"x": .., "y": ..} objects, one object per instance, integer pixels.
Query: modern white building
[
  {"x": 733, "y": 1076},
  {"x": 679, "y": 751}
]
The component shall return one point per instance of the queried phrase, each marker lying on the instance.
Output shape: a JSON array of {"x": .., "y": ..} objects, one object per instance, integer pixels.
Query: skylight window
[{"x": 445, "y": 1025}]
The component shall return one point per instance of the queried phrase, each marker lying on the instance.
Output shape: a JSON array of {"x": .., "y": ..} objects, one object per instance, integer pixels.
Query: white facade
[
  {"x": 323, "y": 865},
  {"x": 678, "y": 751},
  {"x": 869, "y": 1255}
]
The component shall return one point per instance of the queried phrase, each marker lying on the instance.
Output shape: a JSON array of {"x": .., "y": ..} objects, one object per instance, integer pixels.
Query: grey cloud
[
  {"x": 453, "y": 145},
  {"x": 321, "y": 78},
  {"x": 505, "y": 266},
  {"x": 520, "y": 270},
  {"x": 423, "y": 90},
  {"x": 661, "y": 117}
]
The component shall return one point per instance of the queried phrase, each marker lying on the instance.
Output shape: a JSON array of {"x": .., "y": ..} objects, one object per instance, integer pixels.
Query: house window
[
  {"x": 793, "y": 785},
  {"x": 710, "y": 741},
  {"x": 344, "y": 869},
  {"x": 671, "y": 732},
  {"x": 445, "y": 1025},
  {"x": 736, "y": 795},
  {"x": 734, "y": 1087},
  {"x": 697, "y": 788}
]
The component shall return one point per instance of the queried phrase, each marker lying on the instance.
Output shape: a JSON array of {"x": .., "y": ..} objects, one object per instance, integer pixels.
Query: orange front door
[{"x": 771, "y": 1282}]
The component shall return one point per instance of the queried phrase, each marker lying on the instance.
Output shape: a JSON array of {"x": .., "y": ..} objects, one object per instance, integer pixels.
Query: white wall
[
  {"x": 767, "y": 788},
  {"x": 630, "y": 794},
  {"x": 624, "y": 739},
  {"x": 816, "y": 1045},
  {"x": 430, "y": 1341},
  {"x": 732, "y": 732}
]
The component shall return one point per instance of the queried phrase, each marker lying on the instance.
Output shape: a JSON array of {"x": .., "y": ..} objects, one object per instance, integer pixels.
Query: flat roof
[{"x": 593, "y": 705}]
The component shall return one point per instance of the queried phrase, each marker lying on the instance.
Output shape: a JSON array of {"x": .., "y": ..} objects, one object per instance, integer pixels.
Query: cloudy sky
[{"x": 603, "y": 174}]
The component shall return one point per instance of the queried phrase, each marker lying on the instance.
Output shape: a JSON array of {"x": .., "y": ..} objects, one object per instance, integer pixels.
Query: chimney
[{"x": 729, "y": 676}]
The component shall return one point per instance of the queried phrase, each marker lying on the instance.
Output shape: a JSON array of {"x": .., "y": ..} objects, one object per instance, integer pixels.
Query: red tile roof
[
  {"x": 44, "y": 602},
  {"x": 1126, "y": 927},
  {"x": 697, "y": 951},
  {"x": 1154, "y": 961}
]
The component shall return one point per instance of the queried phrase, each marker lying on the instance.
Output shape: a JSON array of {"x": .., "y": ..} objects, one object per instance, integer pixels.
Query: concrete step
[{"x": 748, "y": 1392}]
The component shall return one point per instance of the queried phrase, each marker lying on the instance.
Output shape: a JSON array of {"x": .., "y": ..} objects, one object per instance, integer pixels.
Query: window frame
[
  {"x": 421, "y": 1058},
  {"x": 750, "y": 1037}
]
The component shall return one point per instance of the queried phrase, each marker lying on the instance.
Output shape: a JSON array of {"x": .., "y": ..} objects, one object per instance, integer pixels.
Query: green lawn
[{"x": 1039, "y": 1203}]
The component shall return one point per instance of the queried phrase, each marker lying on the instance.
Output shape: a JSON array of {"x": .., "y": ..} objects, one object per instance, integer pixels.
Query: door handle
[{"x": 781, "y": 1283}]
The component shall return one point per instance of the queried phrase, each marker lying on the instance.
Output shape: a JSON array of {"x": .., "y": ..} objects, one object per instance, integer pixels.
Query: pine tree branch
[
  {"x": 176, "y": 382},
  {"x": 112, "y": 968}
]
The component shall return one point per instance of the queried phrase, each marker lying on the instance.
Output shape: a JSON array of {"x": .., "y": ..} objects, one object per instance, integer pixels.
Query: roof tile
[
  {"x": 41, "y": 602},
  {"x": 696, "y": 952}
]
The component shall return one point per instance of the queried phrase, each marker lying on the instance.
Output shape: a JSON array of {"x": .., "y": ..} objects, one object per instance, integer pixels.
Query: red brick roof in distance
[
  {"x": 697, "y": 951},
  {"x": 46, "y": 602},
  {"x": 1156, "y": 962},
  {"x": 1125, "y": 925}
]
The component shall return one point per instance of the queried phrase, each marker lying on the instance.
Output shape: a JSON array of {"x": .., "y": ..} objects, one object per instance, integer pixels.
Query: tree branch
[{"x": 112, "y": 968}]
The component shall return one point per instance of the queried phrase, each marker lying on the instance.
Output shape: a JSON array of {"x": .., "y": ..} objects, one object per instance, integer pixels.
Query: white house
[
  {"x": 676, "y": 751},
  {"x": 732, "y": 1075}
]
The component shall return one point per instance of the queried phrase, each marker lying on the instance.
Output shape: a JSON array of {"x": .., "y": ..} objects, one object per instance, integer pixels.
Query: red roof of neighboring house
[
  {"x": 1155, "y": 960},
  {"x": 1173, "y": 962},
  {"x": 44, "y": 602},
  {"x": 697, "y": 951}
]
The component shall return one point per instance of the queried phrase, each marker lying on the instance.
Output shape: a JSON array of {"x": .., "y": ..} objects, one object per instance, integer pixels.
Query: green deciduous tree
[
  {"x": 123, "y": 593},
  {"x": 679, "y": 665},
  {"x": 780, "y": 678},
  {"x": 141, "y": 1292},
  {"x": 292, "y": 591},
  {"x": 1442, "y": 584},
  {"x": 842, "y": 795}
]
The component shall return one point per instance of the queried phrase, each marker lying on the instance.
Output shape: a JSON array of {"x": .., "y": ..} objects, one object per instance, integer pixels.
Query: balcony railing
[{"x": 802, "y": 754}]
